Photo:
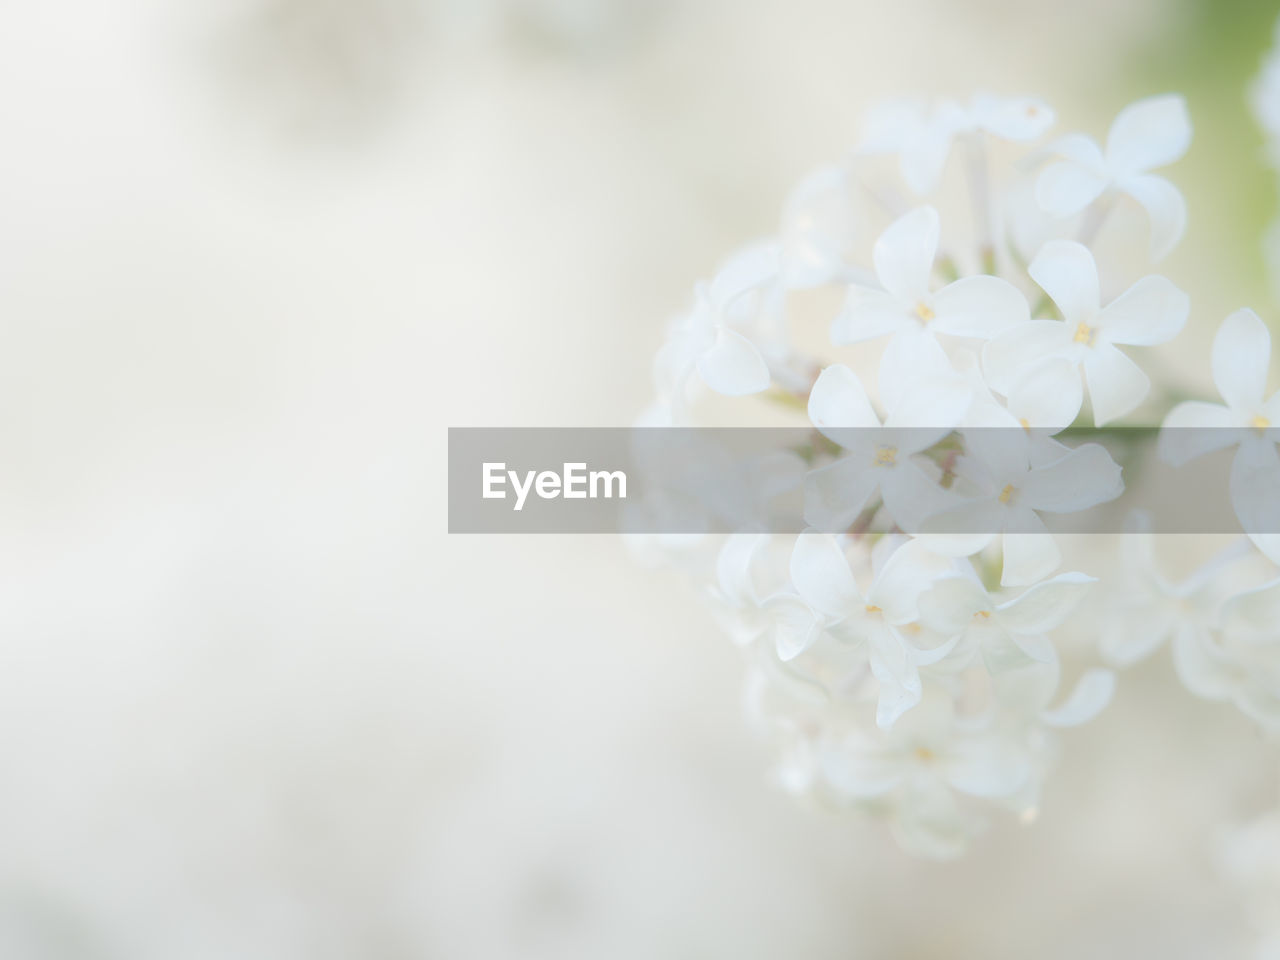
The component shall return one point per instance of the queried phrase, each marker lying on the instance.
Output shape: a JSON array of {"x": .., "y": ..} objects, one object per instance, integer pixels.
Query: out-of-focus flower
[
  {"x": 921, "y": 135},
  {"x": 1145, "y": 136}
]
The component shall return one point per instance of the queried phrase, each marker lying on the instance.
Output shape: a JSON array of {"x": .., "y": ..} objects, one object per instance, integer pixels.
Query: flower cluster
[{"x": 915, "y": 652}]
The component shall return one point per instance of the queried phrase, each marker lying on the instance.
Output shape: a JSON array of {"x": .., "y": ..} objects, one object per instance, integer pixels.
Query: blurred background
[{"x": 257, "y": 255}]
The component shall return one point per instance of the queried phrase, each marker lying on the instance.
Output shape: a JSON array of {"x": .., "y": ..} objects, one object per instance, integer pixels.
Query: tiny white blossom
[
  {"x": 921, "y": 136},
  {"x": 1146, "y": 135},
  {"x": 979, "y": 306},
  {"x": 1150, "y": 312}
]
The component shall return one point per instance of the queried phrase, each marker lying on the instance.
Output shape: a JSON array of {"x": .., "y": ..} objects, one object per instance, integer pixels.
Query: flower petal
[
  {"x": 1241, "y": 356},
  {"x": 821, "y": 575},
  {"x": 987, "y": 767},
  {"x": 795, "y": 627},
  {"x": 1049, "y": 396},
  {"x": 979, "y": 306},
  {"x": 1090, "y": 697},
  {"x": 950, "y": 604},
  {"x": 1066, "y": 271},
  {"x": 895, "y": 670},
  {"x": 1012, "y": 118},
  {"x": 1165, "y": 207},
  {"x": 1046, "y": 605},
  {"x": 744, "y": 271},
  {"x": 868, "y": 314},
  {"x": 1149, "y": 133},
  {"x": 1083, "y": 478},
  {"x": 1065, "y": 188},
  {"x": 904, "y": 254},
  {"x": 838, "y": 400},
  {"x": 1193, "y": 429},
  {"x": 733, "y": 366},
  {"x": 1028, "y": 557},
  {"x": 1011, "y": 356},
  {"x": 910, "y": 356},
  {"x": 834, "y": 495},
  {"x": 1116, "y": 384},
  {"x": 1150, "y": 312}
]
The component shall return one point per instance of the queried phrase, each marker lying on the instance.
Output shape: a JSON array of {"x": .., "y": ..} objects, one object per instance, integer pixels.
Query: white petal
[
  {"x": 895, "y": 670},
  {"x": 1165, "y": 207},
  {"x": 1083, "y": 478},
  {"x": 939, "y": 404},
  {"x": 987, "y": 767},
  {"x": 1090, "y": 697},
  {"x": 910, "y": 356},
  {"x": 904, "y": 576},
  {"x": 978, "y": 307},
  {"x": 1028, "y": 557},
  {"x": 1013, "y": 118},
  {"x": 904, "y": 254},
  {"x": 1241, "y": 356},
  {"x": 1193, "y": 429},
  {"x": 910, "y": 496},
  {"x": 1254, "y": 615},
  {"x": 795, "y": 627},
  {"x": 861, "y": 767},
  {"x": 1013, "y": 354},
  {"x": 835, "y": 495},
  {"x": 950, "y": 604},
  {"x": 868, "y": 314},
  {"x": 924, "y": 155},
  {"x": 733, "y": 366},
  {"x": 1255, "y": 486},
  {"x": 815, "y": 228},
  {"x": 1149, "y": 133},
  {"x": 1150, "y": 312},
  {"x": 1116, "y": 384},
  {"x": 733, "y": 566},
  {"x": 744, "y": 271},
  {"x": 1046, "y": 605},
  {"x": 821, "y": 575},
  {"x": 1066, "y": 271},
  {"x": 1065, "y": 188},
  {"x": 1202, "y": 668},
  {"x": 1080, "y": 150},
  {"x": 838, "y": 400},
  {"x": 1049, "y": 396}
]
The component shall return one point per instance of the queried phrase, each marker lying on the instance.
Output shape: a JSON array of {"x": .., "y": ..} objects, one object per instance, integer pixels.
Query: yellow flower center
[
  {"x": 924, "y": 311},
  {"x": 1085, "y": 334},
  {"x": 886, "y": 456},
  {"x": 1260, "y": 423},
  {"x": 1007, "y": 493},
  {"x": 983, "y": 614},
  {"x": 923, "y": 754}
]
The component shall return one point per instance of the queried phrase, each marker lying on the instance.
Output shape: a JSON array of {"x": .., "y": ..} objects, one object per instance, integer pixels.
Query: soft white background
[{"x": 255, "y": 703}]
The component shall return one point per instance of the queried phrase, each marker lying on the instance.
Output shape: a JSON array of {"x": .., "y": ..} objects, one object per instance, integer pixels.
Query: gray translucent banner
[{"x": 784, "y": 480}]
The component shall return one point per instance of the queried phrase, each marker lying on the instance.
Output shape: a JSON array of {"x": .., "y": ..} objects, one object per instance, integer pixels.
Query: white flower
[
  {"x": 978, "y": 306},
  {"x": 876, "y": 457},
  {"x": 1150, "y": 312},
  {"x": 1014, "y": 476},
  {"x": 1009, "y": 633},
  {"x": 919, "y": 767},
  {"x": 922, "y": 136},
  {"x": 827, "y": 599},
  {"x": 1145, "y": 135},
  {"x": 1240, "y": 660},
  {"x": 710, "y": 339},
  {"x": 1241, "y": 356}
]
